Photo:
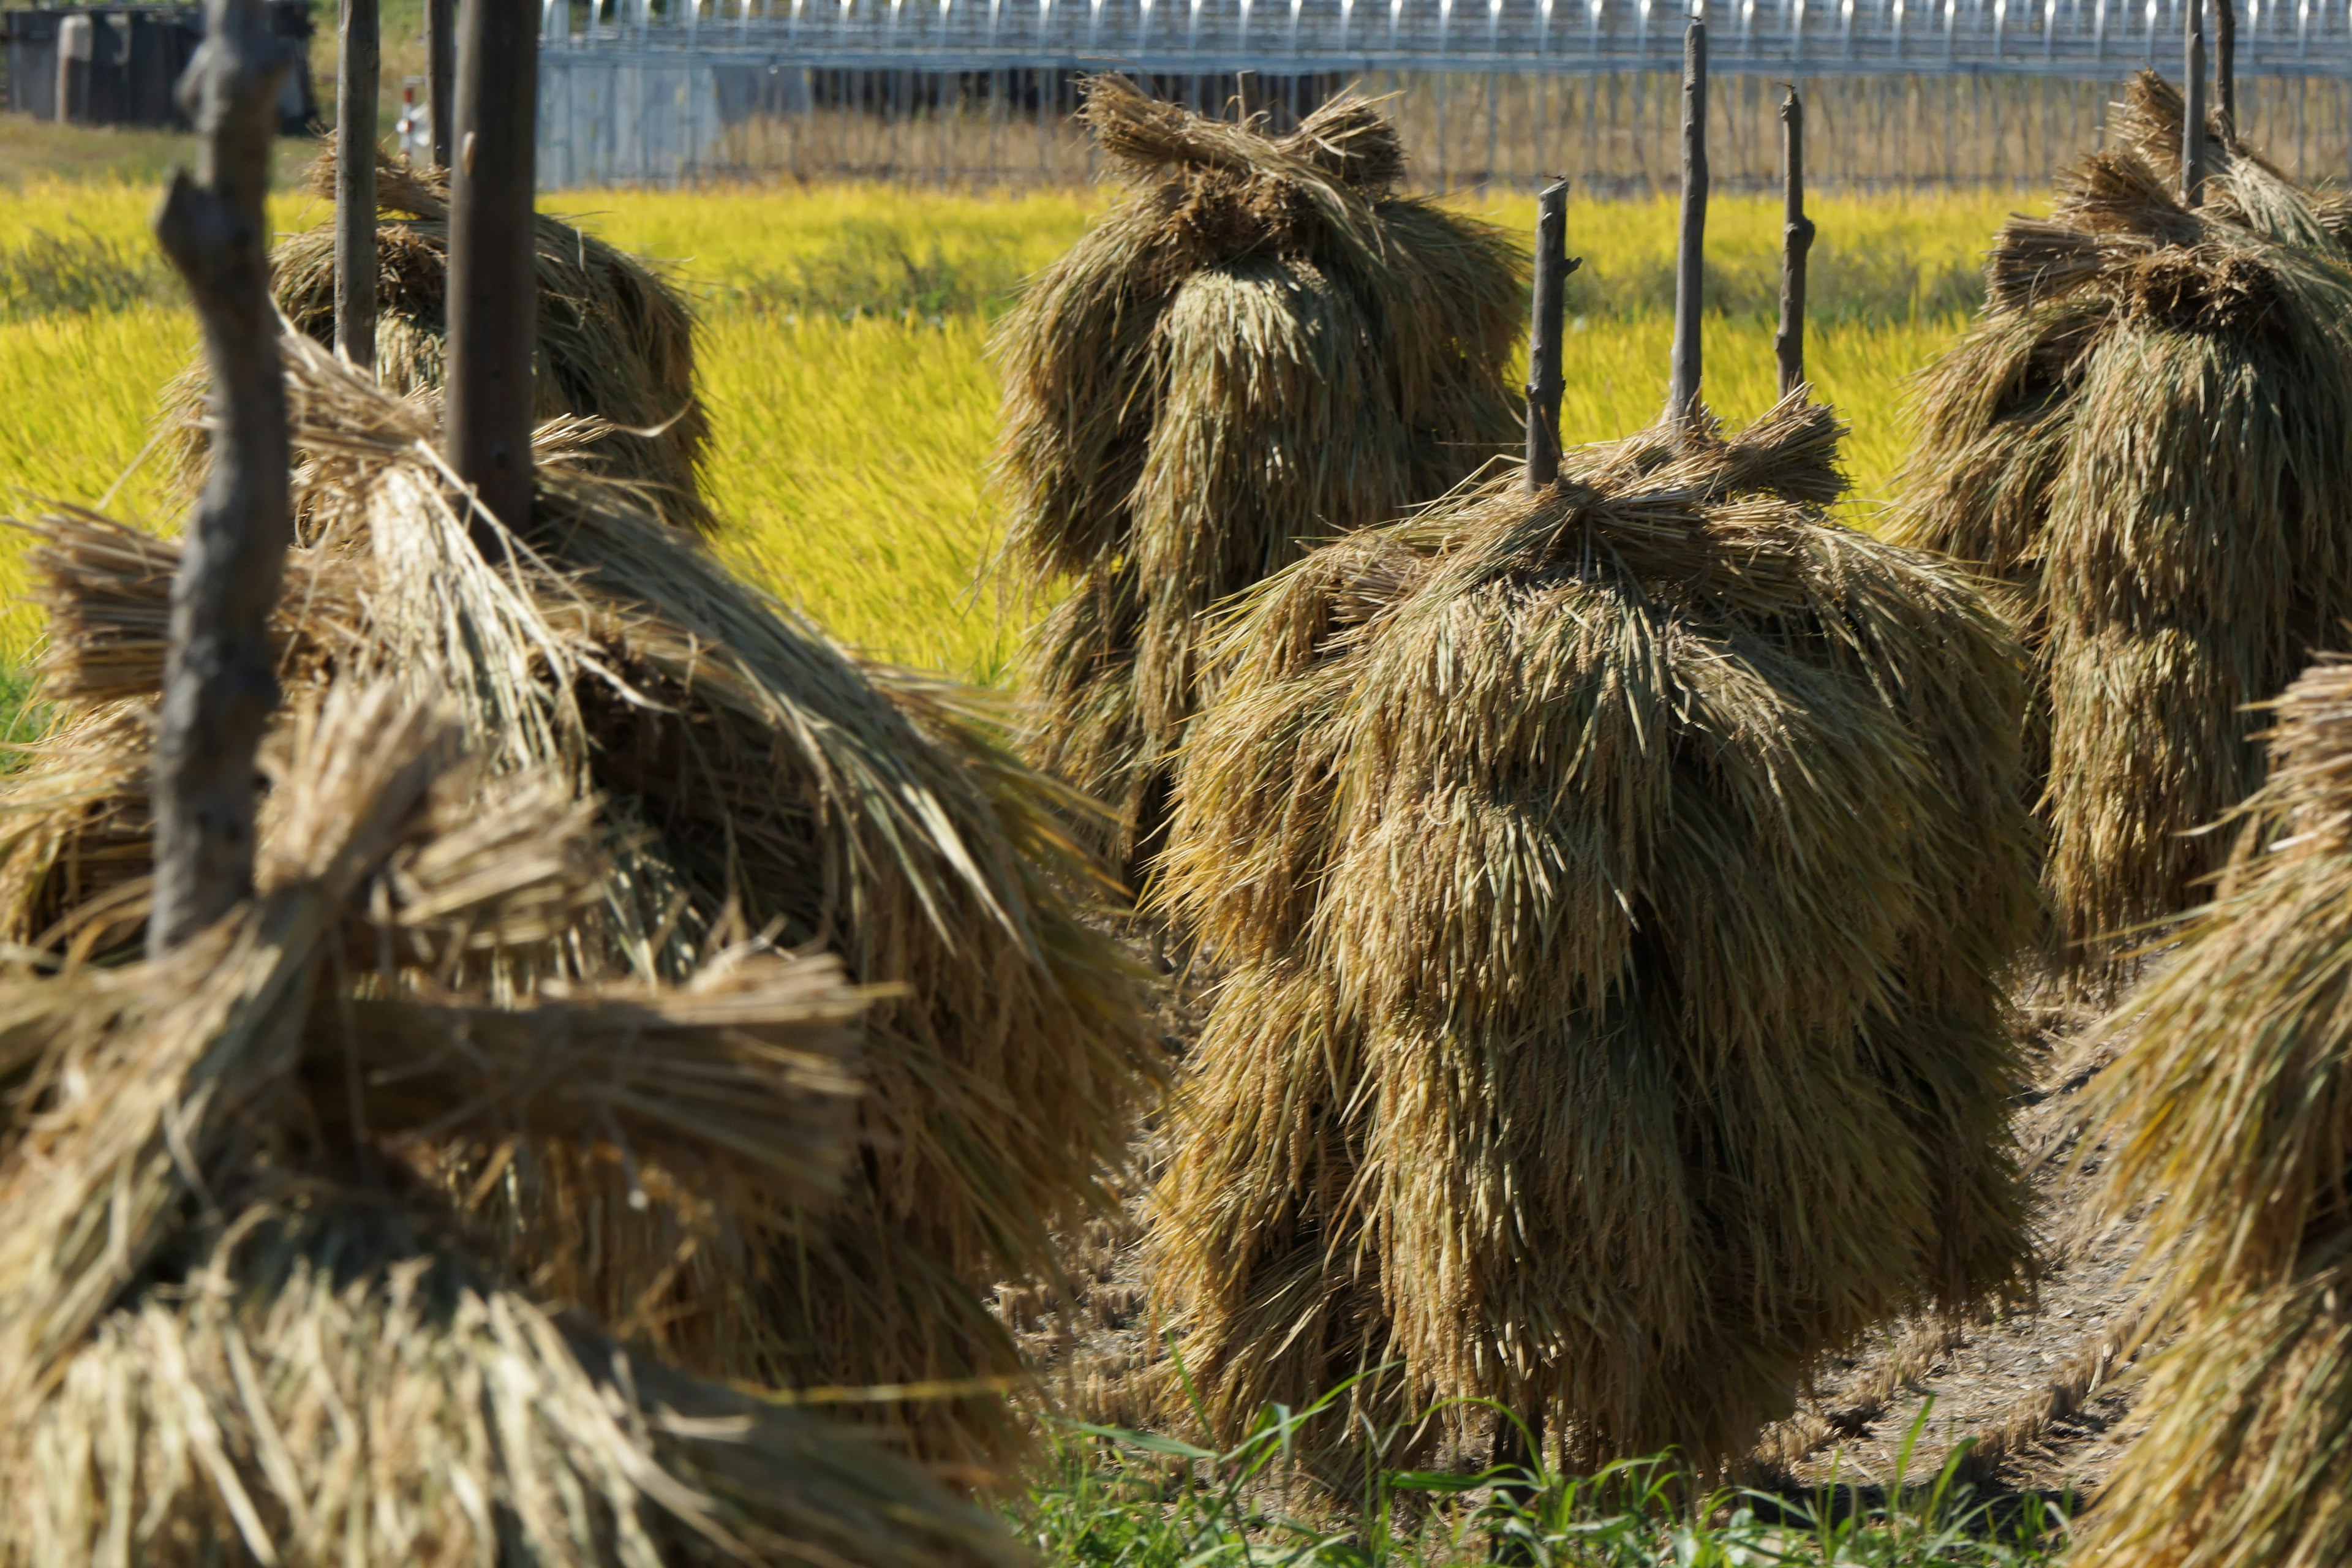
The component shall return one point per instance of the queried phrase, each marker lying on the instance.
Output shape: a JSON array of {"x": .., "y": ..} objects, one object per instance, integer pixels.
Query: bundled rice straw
[
  {"x": 1261, "y": 348},
  {"x": 755, "y": 780},
  {"x": 615, "y": 340},
  {"x": 1617, "y": 880},
  {"x": 2227, "y": 1118},
  {"x": 2147, "y": 441},
  {"x": 231, "y": 1328}
]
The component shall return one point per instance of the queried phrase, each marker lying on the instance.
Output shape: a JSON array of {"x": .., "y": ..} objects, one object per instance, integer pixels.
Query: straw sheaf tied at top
[
  {"x": 231, "y": 1320},
  {"x": 1261, "y": 347},
  {"x": 2145, "y": 443},
  {"x": 1231, "y": 188},
  {"x": 745, "y": 774},
  {"x": 1589, "y": 860},
  {"x": 615, "y": 340}
]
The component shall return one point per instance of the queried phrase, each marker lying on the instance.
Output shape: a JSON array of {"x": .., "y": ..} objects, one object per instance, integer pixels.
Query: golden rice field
[{"x": 845, "y": 360}]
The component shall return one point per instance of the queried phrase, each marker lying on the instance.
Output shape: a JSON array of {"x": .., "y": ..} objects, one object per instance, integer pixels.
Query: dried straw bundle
[
  {"x": 756, "y": 779},
  {"x": 229, "y": 1330},
  {"x": 615, "y": 340},
  {"x": 2227, "y": 1118},
  {"x": 1262, "y": 347},
  {"x": 1618, "y": 881},
  {"x": 2147, "y": 441}
]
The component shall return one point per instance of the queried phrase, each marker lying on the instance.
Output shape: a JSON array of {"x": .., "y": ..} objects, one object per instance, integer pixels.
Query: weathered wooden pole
[
  {"x": 220, "y": 683},
  {"x": 1796, "y": 241},
  {"x": 441, "y": 76},
  {"x": 493, "y": 294},
  {"x": 358, "y": 81},
  {"x": 2192, "y": 118},
  {"x": 1544, "y": 383},
  {"x": 2225, "y": 63},
  {"x": 1682, "y": 396}
]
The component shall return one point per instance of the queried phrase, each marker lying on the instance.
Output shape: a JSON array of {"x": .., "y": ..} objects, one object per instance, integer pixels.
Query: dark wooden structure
[{"x": 117, "y": 65}]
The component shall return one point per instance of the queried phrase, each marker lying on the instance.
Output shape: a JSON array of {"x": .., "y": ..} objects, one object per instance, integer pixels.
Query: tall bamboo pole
[
  {"x": 2225, "y": 63},
  {"x": 1796, "y": 239},
  {"x": 1544, "y": 383},
  {"x": 493, "y": 294},
  {"x": 357, "y": 82},
  {"x": 1682, "y": 396},
  {"x": 220, "y": 683},
  {"x": 441, "y": 75},
  {"x": 2192, "y": 120}
]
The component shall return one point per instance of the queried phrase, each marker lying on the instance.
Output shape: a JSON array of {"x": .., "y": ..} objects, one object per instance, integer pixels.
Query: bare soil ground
[{"x": 2042, "y": 1392}]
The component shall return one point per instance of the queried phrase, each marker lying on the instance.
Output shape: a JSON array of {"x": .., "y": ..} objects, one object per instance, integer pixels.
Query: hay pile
[
  {"x": 1618, "y": 880},
  {"x": 752, "y": 780},
  {"x": 615, "y": 340},
  {"x": 2228, "y": 1118},
  {"x": 2146, "y": 439},
  {"x": 231, "y": 1317},
  {"x": 1261, "y": 348}
]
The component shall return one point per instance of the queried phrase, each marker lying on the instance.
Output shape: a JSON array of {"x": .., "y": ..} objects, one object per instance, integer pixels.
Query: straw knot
[{"x": 2207, "y": 289}]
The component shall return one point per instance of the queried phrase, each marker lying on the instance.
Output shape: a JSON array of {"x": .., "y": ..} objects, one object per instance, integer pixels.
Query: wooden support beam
[
  {"x": 441, "y": 76},
  {"x": 493, "y": 290},
  {"x": 359, "y": 79},
  {"x": 2225, "y": 64},
  {"x": 2192, "y": 118},
  {"x": 1796, "y": 241},
  {"x": 1682, "y": 390},
  {"x": 1553, "y": 264},
  {"x": 220, "y": 682}
]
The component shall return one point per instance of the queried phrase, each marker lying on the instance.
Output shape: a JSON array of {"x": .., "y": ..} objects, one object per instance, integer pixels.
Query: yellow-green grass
[{"x": 850, "y": 455}]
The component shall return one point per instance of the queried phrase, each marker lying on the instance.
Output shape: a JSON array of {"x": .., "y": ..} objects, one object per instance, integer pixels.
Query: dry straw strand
[{"x": 2225, "y": 1121}]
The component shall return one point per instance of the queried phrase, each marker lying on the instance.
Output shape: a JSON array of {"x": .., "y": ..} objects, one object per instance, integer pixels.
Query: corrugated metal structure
[
  {"x": 630, "y": 96},
  {"x": 2084, "y": 39}
]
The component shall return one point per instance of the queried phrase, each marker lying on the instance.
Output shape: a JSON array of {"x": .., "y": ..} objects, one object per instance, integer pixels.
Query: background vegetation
[{"x": 844, "y": 358}]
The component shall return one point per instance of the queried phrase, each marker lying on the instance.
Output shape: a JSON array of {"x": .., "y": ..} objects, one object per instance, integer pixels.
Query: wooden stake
[
  {"x": 2192, "y": 119},
  {"x": 1796, "y": 239},
  {"x": 493, "y": 291},
  {"x": 1682, "y": 396},
  {"x": 220, "y": 683},
  {"x": 441, "y": 76},
  {"x": 357, "y": 83},
  {"x": 2225, "y": 63},
  {"x": 1553, "y": 264}
]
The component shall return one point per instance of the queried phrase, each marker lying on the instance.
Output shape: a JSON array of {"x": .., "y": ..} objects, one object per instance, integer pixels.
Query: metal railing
[
  {"x": 714, "y": 86},
  {"x": 2079, "y": 39}
]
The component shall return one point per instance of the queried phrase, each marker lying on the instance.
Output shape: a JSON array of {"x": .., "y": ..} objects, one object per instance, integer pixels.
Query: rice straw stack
[
  {"x": 1261, "y": 347},
  {"x": 1618, "y": 880},
  {"x": 2145, "y": 440}
]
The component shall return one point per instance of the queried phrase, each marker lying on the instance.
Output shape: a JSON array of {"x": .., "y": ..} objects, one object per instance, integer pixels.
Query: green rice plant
[
  {"x": 52, "y": 275},
  {"x": 849, "y": 456},
  {"x": 1112, "y": 1498}
]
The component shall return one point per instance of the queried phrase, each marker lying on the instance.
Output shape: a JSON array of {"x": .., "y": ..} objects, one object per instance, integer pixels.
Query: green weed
[{"x": 1111, "y": 1497}]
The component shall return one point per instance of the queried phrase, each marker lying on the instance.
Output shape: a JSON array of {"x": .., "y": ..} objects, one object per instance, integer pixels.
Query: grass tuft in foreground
[{"x": 1109, "y": 1497}]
